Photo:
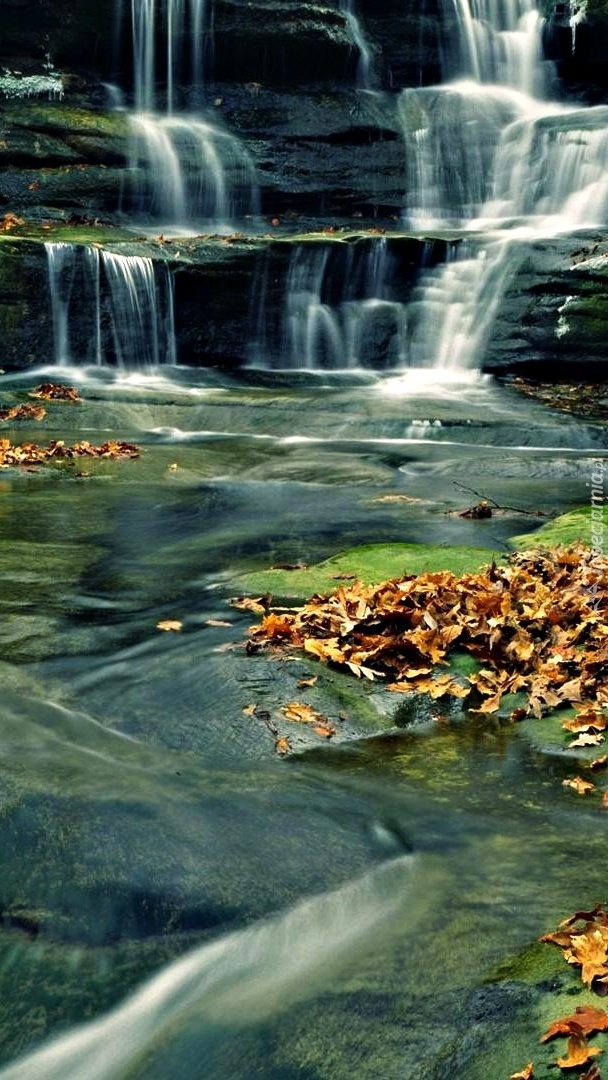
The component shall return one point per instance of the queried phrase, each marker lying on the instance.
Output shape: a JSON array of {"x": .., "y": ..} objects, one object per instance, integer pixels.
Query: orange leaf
[
  {"x": 301, "y": 713},
  {"x": 325, "y": 731},
  {"x": 579, "y": 1053},
  {"x": 578, "y": 784},
  {"x": 585, "y": 1017},
  {"x": 277, "y": 626},
  {"x": 282, "y": 745}
]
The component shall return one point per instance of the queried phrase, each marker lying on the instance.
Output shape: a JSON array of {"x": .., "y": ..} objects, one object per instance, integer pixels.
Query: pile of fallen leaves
[
  {"x": 32, "y": 454},
  {"x": 538, "y": 625},
  {"x": 589, "y": 400},
  {"x": 10, "y": 221},
  {"x": 55, "y": 392},
  {"x": 25, "y": 411},
  {"x": 584, "y": 940}
]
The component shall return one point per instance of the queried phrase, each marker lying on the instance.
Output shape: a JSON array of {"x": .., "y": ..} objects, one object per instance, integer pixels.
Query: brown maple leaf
[{"x": 585, "y": 1018}]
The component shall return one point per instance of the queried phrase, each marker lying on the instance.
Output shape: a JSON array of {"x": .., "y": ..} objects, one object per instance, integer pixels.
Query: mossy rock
[
  {"x": 369, "y": 563},
  {"x": 373, "y": 563},
  {"x": 566, "y": 529}
]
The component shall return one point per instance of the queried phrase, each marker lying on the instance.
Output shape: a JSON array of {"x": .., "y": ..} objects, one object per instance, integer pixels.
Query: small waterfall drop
[
  {"x": 361, "y": 44},
  {"x": 500, "y": 43},
  {"x": 121, "y": 311},
  {"x": 340, "y": 310},
  {"x": 187, "y": 173}
]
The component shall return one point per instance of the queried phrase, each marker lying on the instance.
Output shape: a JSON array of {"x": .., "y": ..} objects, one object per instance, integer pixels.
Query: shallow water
[{"x": 145, "y": 815}]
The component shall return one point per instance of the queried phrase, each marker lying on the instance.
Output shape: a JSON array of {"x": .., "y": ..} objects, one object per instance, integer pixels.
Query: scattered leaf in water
[
  {"x": 582, "y": 787},
  {"x": 579, "y": 1053},
  {"x": 169, "y": 625}
]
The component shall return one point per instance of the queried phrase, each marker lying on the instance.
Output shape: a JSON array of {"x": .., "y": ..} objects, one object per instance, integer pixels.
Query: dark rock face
[{"x": 554, "y": 319}]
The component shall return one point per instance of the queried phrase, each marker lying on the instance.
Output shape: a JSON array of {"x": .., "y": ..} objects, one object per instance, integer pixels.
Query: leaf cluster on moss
[{"x": 538, "y": 625}]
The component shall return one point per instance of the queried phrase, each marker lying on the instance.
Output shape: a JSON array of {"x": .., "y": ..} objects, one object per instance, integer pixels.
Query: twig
[{"x": 497, "y": 506}]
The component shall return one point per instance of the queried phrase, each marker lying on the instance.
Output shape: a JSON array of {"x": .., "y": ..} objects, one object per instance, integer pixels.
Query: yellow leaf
[
  {"x": 578, "y": 784},
  {"x": 579, "y": 1053},
  {"x": 526, "y": 1073},
  {"x": 169, "y": 624}
]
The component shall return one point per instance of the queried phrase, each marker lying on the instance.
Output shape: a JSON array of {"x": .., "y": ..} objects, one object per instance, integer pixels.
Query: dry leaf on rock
[
  {"x": 585, "y": 1019},
  {"x": 526, "y": 1073},
  {"x": 579, "y": 1053},
  {"x": 55, "y": 392}
]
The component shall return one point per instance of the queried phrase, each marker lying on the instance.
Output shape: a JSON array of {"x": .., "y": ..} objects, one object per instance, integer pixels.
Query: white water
[
  {"x": 61, "y": 268},
  {"x": 240, "y": 980},
  {"x": 489, "y": 155},
  {"x": 187, "y": 172},
  {"x": 129, "y": 304},
  {"x": 492, "y": 154}
]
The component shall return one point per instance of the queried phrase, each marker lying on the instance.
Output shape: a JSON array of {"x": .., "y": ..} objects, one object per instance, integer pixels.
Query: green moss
[
  {"x": 370, "y": 563},
  {"x": 565, "y": 529}
]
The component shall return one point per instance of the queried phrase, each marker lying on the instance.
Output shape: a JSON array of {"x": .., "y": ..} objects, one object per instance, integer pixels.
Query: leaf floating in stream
[
  {"x": 169, "y": 625},
  {"x": 525, "y": 1074},
  {"x": 585, "y": 1018},
  {"x": 582, "y": 787},
  {"x": 579, "y": 1053}
]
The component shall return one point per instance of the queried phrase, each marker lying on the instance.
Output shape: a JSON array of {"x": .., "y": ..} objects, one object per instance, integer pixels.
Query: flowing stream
[{"x": 176, "y": 899}]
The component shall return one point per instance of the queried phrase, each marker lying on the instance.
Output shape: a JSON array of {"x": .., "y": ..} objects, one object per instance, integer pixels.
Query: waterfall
[
  {"x": 361, "y": 44},
  {"x": 186, "y": 172},
  {"x": 240, "y": 980},
  {"x": 121, "y": 312},
  {"x": 500, "y": 43},
  {"x": 61, "y": 271},
  {"x": 340, "y": 309},
  {"x": 489, "y": 152}
]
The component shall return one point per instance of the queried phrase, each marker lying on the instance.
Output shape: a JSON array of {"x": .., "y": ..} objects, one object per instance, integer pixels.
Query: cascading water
[
  {"x": 484, "y": 154},
  {"x": 490, "y": 153},
  {"x": 128, "y": 300},
  {"x": 343, "y": 307},
  {"x": 187, "y": 172},
  {"x": 364, "y": 67}
]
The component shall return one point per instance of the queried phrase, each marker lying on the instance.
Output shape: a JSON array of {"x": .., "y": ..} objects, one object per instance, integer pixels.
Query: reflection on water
[{"x": 144, "y": 814}]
